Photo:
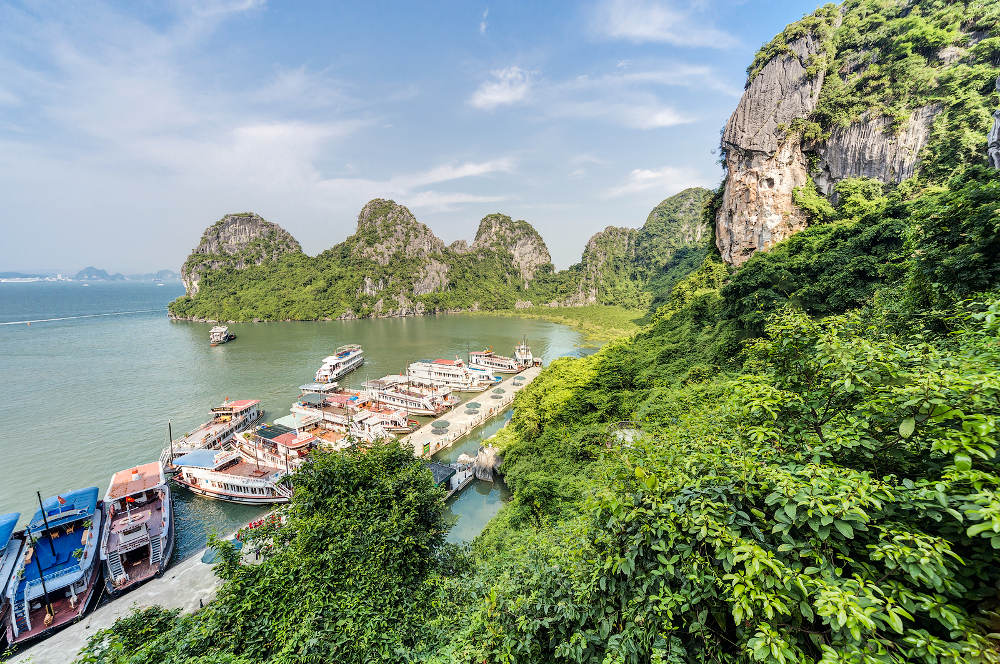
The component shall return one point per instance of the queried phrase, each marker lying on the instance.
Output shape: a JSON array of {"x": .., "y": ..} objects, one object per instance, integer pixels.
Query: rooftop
[
  {"x": 201, "y": 458},
  {"x": 442, "y": 472},
  {"x": 74, "y": 505},
  {"x": 135, "y": 480}
]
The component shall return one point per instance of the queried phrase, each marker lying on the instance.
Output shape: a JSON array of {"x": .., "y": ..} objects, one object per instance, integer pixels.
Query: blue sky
[{"x": 127, "y": 128}]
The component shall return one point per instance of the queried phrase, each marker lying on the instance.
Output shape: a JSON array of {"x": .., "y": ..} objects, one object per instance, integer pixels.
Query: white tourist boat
[
  {"x": 220, "y": 334},
  {"x": 344, "y": 361},
  {"x": 348, "y": 413},
  {"x": 488, "y": 360},
  {"x": 139, "y": 540},
  {"x": 227, "y": 419},
  {"x": 11, "y": 549},
  {"x": 450, "y": 373},
  {"x": 523, "y": 356},
  {"x": 253, "y": 472},
  {"x": 396, "y": 392}
]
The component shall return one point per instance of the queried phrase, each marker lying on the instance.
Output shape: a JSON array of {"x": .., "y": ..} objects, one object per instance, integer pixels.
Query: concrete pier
[
  {"x": 425, "y": 443},
  {"x": 181, "y": 587}
]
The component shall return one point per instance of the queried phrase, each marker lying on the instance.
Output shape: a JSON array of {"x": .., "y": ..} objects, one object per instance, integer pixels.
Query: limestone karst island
[{"x": 634, "y": 331}]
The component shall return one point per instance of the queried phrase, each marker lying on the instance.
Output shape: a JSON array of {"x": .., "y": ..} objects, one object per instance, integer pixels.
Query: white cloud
[
  {"x": 482, "y": 23},
  {"x": 435, "y": 201},
  {"x": 667, "y": 180},
  {"x": 658, "y": 21},
  {"x": 507, "y": 86},
  {"x": 448, "y": 172}
]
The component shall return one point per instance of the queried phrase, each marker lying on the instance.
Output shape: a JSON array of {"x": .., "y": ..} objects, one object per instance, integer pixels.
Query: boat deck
[
  {"x": 150, "y": 514},
  {"x": 201, "y": 435},
  {"x": 66, "y": 610}
]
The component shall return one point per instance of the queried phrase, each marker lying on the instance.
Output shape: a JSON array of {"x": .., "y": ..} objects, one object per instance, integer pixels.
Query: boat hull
[{"x": 232, "y": 498}]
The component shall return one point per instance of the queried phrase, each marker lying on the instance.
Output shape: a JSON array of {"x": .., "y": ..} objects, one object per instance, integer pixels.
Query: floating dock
[{"x": 426, "y": 443}]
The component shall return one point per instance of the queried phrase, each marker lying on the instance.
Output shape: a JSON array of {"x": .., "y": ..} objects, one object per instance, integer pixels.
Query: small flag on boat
[
  {"x": 62, "y": 501},
  {"x": 129, "y": 499}
]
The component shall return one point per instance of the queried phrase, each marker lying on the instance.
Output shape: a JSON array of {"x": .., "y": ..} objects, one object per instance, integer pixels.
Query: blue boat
[
  {"x": 56, "y": 580},
  {"x": 11, "y": 546}
]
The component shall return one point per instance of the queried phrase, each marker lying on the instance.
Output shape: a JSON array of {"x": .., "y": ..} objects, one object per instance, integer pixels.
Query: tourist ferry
[
  {"x": 345, "y": 412},
  {"x": 344, "y": 361},
  {"x": 220, "y": 334},
  {"x": 522, "y": 353},
  {"x": 396, "y": 392},
  {"x": 228, "y": 475},
  {"x": 450, "y": 373},
  {"x": 487, "y": 359},
  {"x": 228, "y": 419},
  {"x": 56, "y": 580},
  {"x": 139, "y": 539},
  {"x": 11, "y": 550}
]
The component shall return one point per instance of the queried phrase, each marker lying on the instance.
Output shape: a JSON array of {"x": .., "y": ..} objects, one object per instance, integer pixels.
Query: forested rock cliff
[
  {"x": 246, "y": 268},
  {"x": 864, "y": 90}
]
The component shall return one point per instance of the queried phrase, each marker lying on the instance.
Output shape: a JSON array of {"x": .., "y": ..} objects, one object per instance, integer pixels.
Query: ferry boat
[
  {"x": 220, "y": 334},
  {"x": 346, "y": 413},
  {"x": 227, "y": 475},
  {"x": 450, "y": 373},
  {"x": 487, "y": 359},
  {"x": 522, "y": 353},
  {"x": 396, "y": 392},
  {"x": 344, "y": 361},
  {"x": 139, "y": 539},
  {"x": 227, "y": 419},
  {"x": 56, "y": 580},
  {"x": 11, "y": 549}
]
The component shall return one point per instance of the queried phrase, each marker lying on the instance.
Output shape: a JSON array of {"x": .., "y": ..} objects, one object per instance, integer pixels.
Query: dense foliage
[{"x": 350, "y": 577}]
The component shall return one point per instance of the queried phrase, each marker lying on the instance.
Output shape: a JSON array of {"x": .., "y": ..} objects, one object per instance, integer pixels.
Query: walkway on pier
[{"x": 426, "y": 443}]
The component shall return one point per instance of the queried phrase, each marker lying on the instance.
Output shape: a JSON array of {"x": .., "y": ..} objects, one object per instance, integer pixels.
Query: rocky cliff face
[
  {"x": 763, "y": 161},
  {"x": 519, "y": 238},
  {"x": 851, "y": 92},
  {"x": 873, "y": 148},
  {"x": 236, "y": 241},
  {"x": 387, "y": 230}
]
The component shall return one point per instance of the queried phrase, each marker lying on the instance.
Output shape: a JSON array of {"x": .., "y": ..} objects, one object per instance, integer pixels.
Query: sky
[{"x": 127, "y": 128}]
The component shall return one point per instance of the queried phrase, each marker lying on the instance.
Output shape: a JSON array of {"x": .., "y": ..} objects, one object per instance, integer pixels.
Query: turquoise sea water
[{"x": 91, "y": 393}]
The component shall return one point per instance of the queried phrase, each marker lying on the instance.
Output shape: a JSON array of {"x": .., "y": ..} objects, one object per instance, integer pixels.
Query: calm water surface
[{"x": 83, "y": 397}]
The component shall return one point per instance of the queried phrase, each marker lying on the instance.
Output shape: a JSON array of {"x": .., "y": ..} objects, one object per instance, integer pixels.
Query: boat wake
[{"x": 49, "y": 320}]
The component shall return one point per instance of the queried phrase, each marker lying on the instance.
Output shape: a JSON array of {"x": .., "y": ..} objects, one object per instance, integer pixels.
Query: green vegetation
[
  {"x": 598, "y": 323},
  {"x": 795, "y": 461},
  {"x": 394, "y": 265}
]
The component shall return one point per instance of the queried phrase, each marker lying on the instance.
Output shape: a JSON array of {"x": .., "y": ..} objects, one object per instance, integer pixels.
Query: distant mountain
[
  {"x": 248, "y": 268},
  {"x": 162, "y": 275},
  {"x": 92, "y": 273},
  {"x": 22, "y": 275}
]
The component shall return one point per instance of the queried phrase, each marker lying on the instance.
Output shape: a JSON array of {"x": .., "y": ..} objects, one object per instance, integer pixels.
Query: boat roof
[
  {"x": 450, "y": 363},
  {"x": 76, "y": 505},
  {"x": 135, "y": 480},
  {"x": 313, "y": 399},
  {"x": 321, "y": 388},
  {"x": 219, "y": 328},
  {"x": 272, "y": 431},
  {"x": 200, "y": 459},
  {"x": 297, "y": 420},
  {"x": 238, "y": 404},
  {"x": 8, "y": 522}
]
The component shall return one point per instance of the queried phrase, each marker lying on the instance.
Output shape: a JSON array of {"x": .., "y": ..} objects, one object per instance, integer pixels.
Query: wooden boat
[
  {"x": 227, "y": 420},
  {"x": 56, "y": 580},
  {"x": 139, "y": 539}
]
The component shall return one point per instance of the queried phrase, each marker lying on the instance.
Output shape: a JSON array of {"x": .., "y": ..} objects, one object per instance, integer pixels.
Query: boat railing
[{"x": 49, "y": 579}]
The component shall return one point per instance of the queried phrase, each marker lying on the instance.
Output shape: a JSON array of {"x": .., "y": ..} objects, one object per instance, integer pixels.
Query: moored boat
[
  {"x": 487, "y": 359},
  {"x": 450, "y": 373},
  {"x": 523, "y": 356},
  {"x": 139, "y": 539},
  {"x": 345, "y": 360},
  {"x": 220, "y": 334},
  {"x": 227, "y": 475},
  {"x": 56, "y": 580},
  {"x": 396, "y": 392},
  {"x": 11, "y": 547},
  {"x": 227, "y": 419}
]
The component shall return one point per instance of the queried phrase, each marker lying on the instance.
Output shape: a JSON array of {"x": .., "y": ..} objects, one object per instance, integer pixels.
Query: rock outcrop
[
  {"x": 518, "y": 238},
  {"x": 387, "y": 229},
  {"x": 764, "y": 161},
  {"x": 873, "y": 148},
  {"x": 236, "y": 241}
]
